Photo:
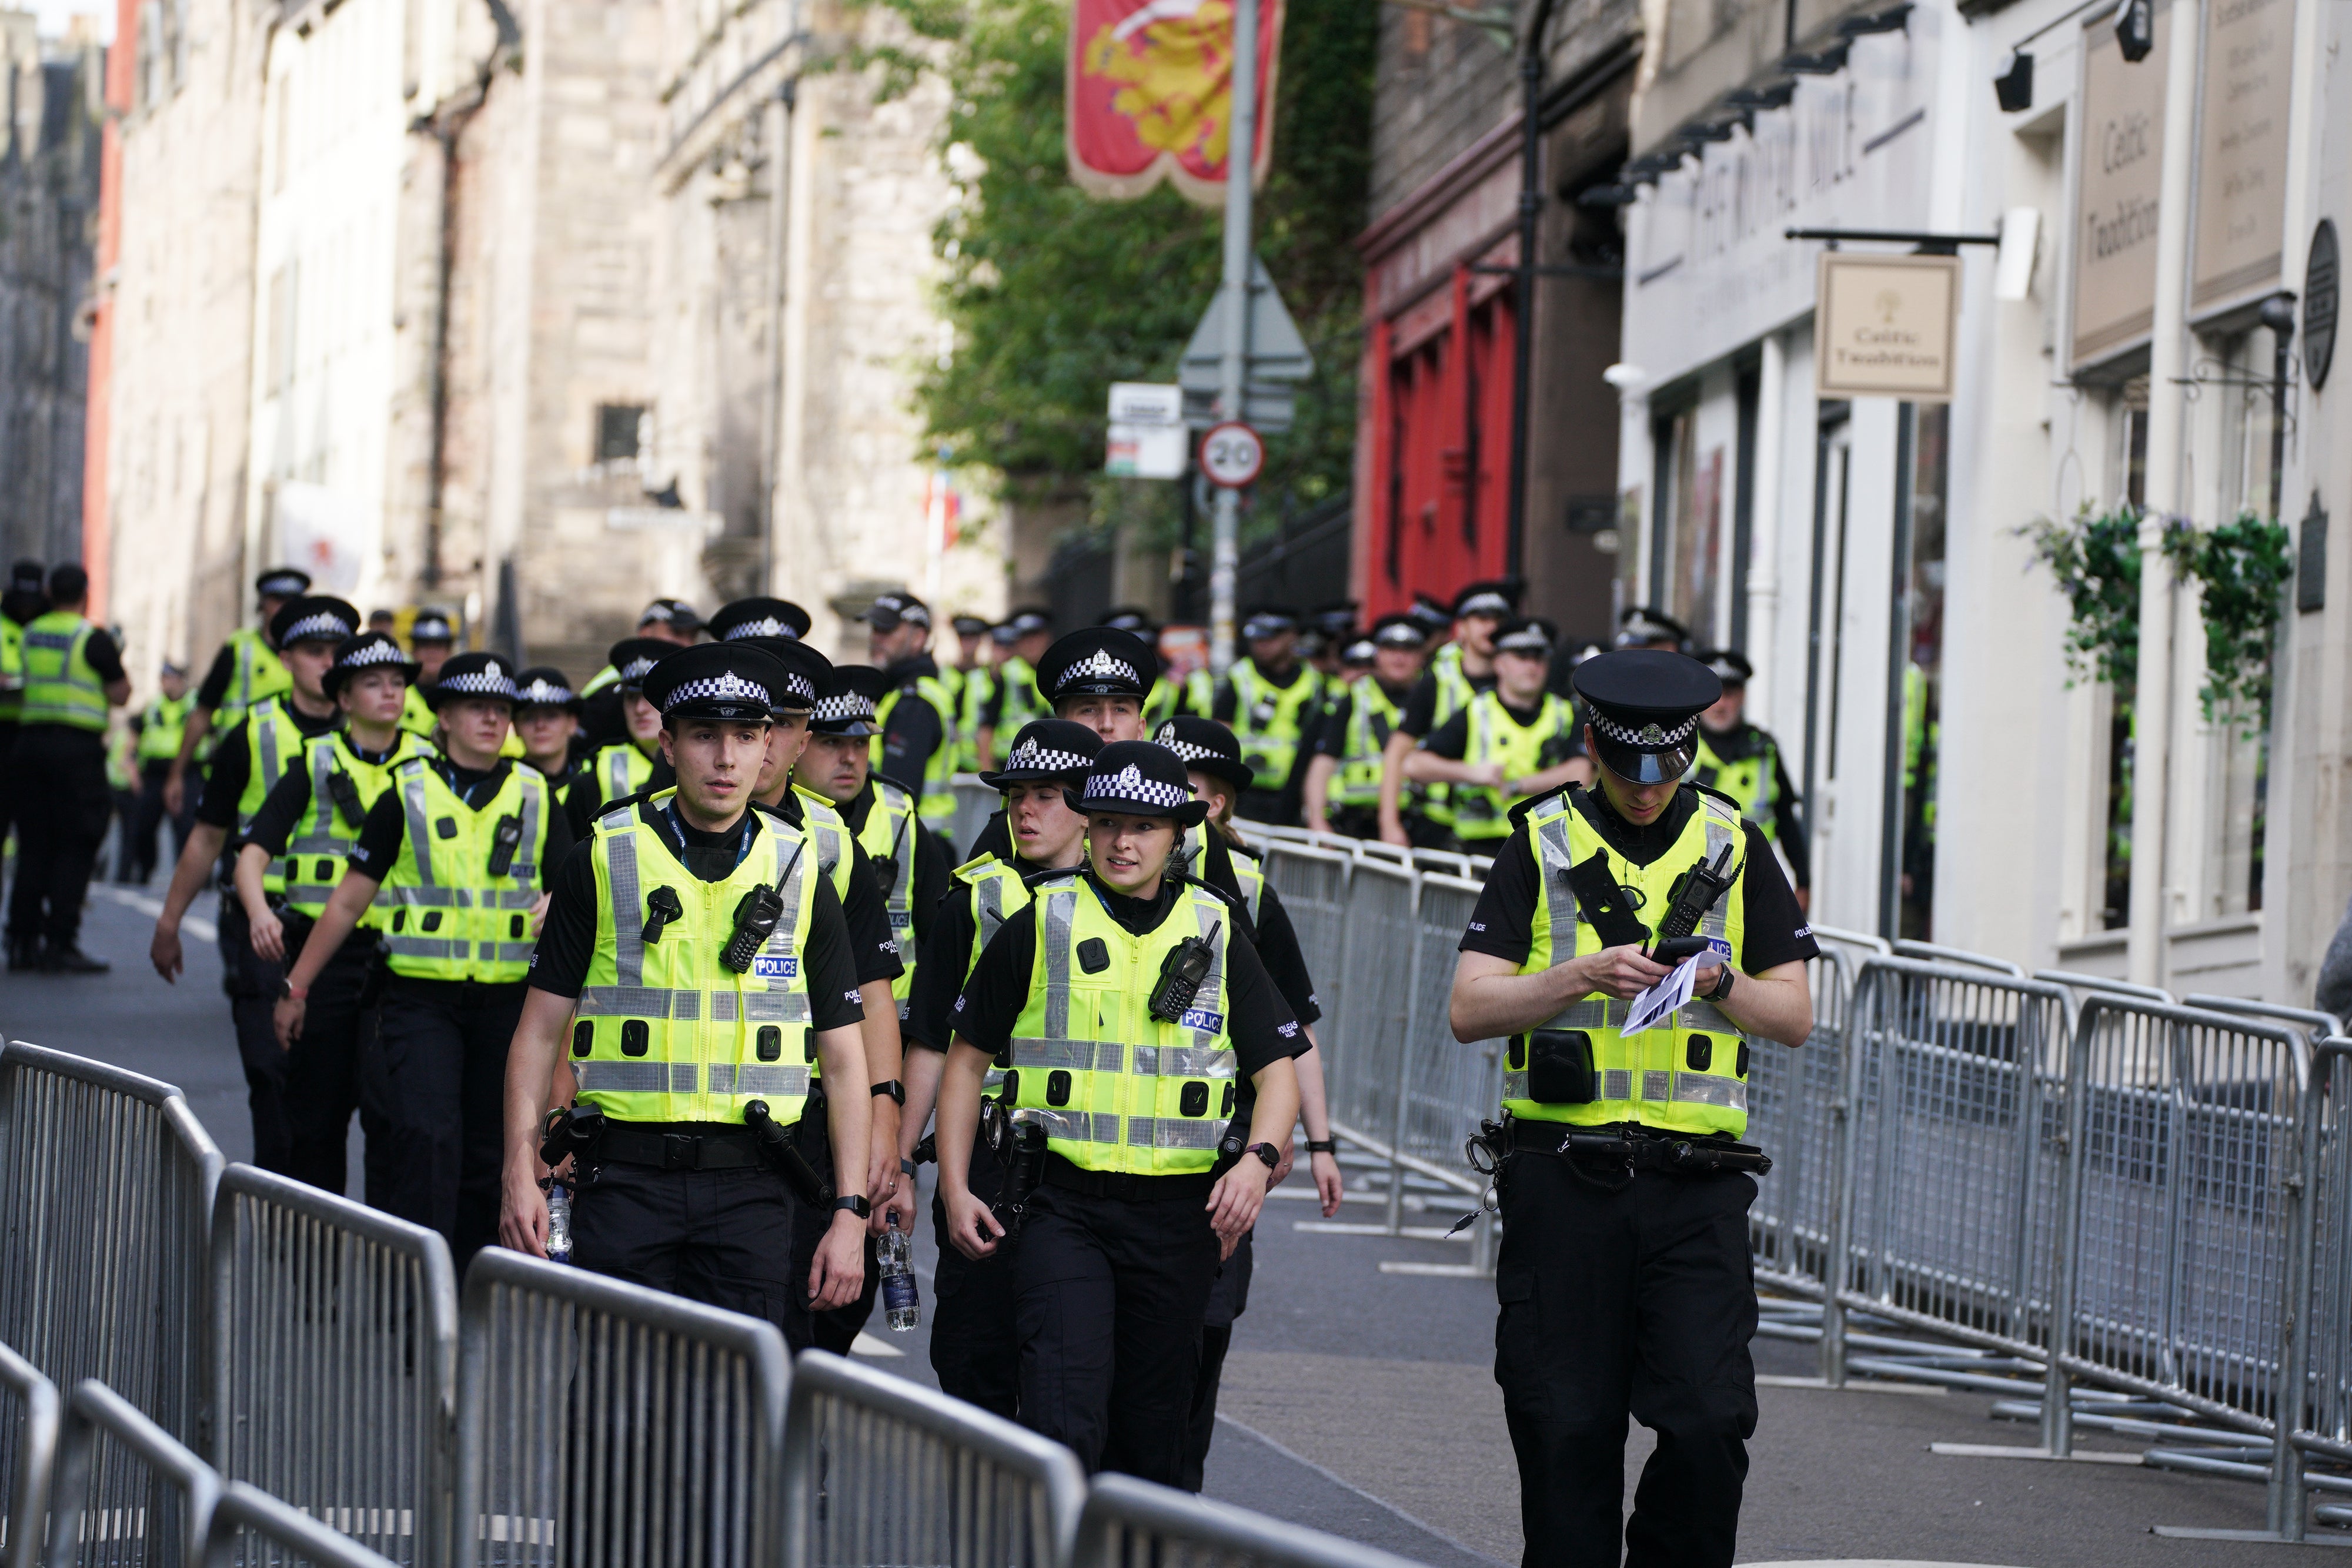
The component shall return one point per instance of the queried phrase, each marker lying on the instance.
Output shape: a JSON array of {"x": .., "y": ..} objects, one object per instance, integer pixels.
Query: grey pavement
[{"x": 1362, "y": 1403}]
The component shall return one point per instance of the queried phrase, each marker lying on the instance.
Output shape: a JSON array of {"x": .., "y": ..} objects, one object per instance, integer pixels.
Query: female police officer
[
  {"x": 1132, "y": 1020},
  {"x": 1624, "y": 1278}
]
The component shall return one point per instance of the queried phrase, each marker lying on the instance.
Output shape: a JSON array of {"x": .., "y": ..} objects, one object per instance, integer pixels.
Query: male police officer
[
  {"x": 917, "y": 748},
  {"x": 73, "y": 675},
  {"x": 1132, "y": 1019},
  {"x": 1457, "y": 672},
  {"x": 1272, "y": 701},
  {"x": 1342, "y": 793},
  {"x": 972, "y": 684},
  {"x": 1515, "y": 740},
  {"x": 671, "y": 620},
  {"x": 1747, "y": 763},
  {"x": 695, "y": 964},
  {"x": 547, "y": 719},
  {"x": 244, "y": 670},
  {"x": 621, "y": 768},
  {"x": 24, "y": 600},
  {"x": 1025, "y": 636},
  {"x": 432, "y": 637},
  {"x": 160, "y": 727},
  {"x": 1625, "y": 1277}
]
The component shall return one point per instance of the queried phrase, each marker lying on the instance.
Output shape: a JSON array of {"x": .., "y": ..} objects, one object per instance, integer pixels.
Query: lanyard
[{"x": 742, "y": 832}]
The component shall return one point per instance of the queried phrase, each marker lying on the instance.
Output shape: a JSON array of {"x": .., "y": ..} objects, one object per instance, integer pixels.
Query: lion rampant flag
[{"x": 1150, "y": 95}]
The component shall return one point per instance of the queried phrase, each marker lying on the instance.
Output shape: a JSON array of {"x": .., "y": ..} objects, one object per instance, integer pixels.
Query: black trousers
[
  {"x": 251, "y": 982},
  {"x": 1111, "y": 1293},
  {"x": 721, "y": 1237},
  {"x": 443, "y": 1045},
  {"x": 975, "y": 1350},
  {"x": 1642, "y": 1303},
  {"x": 135, "y": 860},
  {"x": 1228, "y": 1299},
  {"x": 836, "y": 1328},
  {"x": 62, "y": 805},
  {"x": 7, "y": 776},
  {"x": 323, "y": 1069}
]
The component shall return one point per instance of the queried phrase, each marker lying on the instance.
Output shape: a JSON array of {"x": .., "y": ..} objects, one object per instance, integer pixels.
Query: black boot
[
  {"x": 24, "y": 955},
  {"x": 72, "y": 961}
]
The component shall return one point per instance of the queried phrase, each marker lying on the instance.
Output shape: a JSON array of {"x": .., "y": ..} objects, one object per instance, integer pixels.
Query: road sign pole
[{"x": 1240, "y": 161}]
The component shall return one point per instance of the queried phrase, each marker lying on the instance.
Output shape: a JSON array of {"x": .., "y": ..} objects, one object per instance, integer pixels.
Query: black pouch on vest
[
  {"x": 1601, "y": 903},
  {"x": 504, "y": 840},
  {"x": 346, "y": 797},
  {"x": 1559, "y": 1067}
]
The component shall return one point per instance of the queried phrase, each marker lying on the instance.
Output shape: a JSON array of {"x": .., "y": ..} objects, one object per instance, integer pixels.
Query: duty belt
[
  {"x": 707, "y": 1151},
  {"x": 1636, "y": 1148}
]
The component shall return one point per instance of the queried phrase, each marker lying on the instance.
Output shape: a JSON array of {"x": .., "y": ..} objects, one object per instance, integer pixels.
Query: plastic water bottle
[
  {"x": 895, "y": 1257},
  {"x": 559, "y": 1223}
]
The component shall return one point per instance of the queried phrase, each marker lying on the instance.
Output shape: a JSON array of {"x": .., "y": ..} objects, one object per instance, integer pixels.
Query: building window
[
  {"x": 1686, "y": 550},
  {"x": 2122, "y": 729},
  {"x": 1923, "y": 672},
  {"x": 618, "y": 428}
]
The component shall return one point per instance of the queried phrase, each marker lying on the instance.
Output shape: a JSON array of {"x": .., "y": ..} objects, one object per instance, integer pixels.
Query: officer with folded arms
[
  {"x": 1135, "y": 1026},
  {"x": 975, "y": 1351},
  {"x": 1625, "y": 1279},
  {"x": 695, "y": 966}
]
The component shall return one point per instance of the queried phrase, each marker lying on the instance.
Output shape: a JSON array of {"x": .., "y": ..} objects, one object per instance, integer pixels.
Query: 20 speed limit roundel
[{"x": 1231, "y": 454}]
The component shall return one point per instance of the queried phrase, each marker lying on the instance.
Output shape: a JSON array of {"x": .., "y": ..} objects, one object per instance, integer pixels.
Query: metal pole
[
  {"x": 1240, "y": 160},
  {"x": 2278, "y": 315},
  {"x": 779, "y": 132},
  {"x": 1531, "y": 81},
  {"x": 1898, "y": 672}
]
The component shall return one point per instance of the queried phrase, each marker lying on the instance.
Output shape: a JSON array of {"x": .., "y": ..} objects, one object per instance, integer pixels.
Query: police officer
[
  {"x": 1457, "y": 672},
  {"x": 463, "y": 847},
  {"x": 671, "y": 620},
  {"x": 1024, "y": 638},
  {"x": 243, "y": 672},
  {"x": 974, "y": 1348},
  {"x": 1515, "y": 740},
  {"x": 972, "y": 684},
  {"x": 73, "y": 675},
  {"x": 159, "y": 726},
  {"x": 680, "y": 1193},
  {"x": 1624, "y": 1276},
  {"x": 1134, "y": 1079},
  {"x": 1160, "y": 704},
  {"x": 547, "y": 720},
  {"x": 917, "y": 748},
  {"x": 1647, "y": 626},
  {"x": 1747, "y": 763},
  {"x": 298, "y": 838},
  {"x": 1273, "y": 702},
  {"x": 20, "y": 604},
  {"x": 254, "y": 754},
  {"x": 620, "y": 768},
  {"x": 1342, "y": 793},
  {"x": 432, "y": 637}
]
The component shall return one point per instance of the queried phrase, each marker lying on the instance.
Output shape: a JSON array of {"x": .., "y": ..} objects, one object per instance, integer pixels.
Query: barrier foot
[
  {"x": 1850, "y": 1385},
  {"x": 2010, "y": 1451},
  {"x": 1438, "y": 1271},
  {"x": 2192, "y": 1532},
  {"x": 1411, "y": 1232}
]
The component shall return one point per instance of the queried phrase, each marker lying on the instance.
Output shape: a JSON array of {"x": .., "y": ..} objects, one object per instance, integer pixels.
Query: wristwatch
[
  {"x": 855, "y": 1202},
  {"x": 1722, "y": 987},
  {"x": 286, "y": 993},
  {"x": 1266, "y": 1151},
  {"x": 896, "y": 1090},
  {"x": 906, "y": 1167},
  {"x": 1323, "y": 1145}
]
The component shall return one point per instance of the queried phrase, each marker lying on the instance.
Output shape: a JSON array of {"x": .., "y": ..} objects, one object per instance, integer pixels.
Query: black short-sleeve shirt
[
  {"x": 1256, "y": 1019},
  {"x": 282, "y": 808},
  {"x": 1421, "y": 708},
  {"x": 381, "y": 836},
  {"x": 215, "y": 685},
  {"x": 1777, "y": 932},
  {"x": 232, "y": 765},
  {"x": 567, "y": 943}
]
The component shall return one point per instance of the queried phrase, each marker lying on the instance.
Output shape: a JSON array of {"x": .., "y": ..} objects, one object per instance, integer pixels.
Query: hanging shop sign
[
  {"x": 2242, "y": 152},
  {"x": 2121, "y": 179},
  {"x": 1885, "y": 325}
]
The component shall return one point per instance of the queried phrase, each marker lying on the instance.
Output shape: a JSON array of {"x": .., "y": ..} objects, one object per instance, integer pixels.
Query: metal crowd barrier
[
  {"x": 1444, "y": 1089},
  {"x": 602, "y": 1423},
  {"x": 1364, "y": 1062},
  {"x": 1130, "y": 1524},
  {"x": 878, "y": 1470},
  {"x": 1796, "y": 1110},
  {"x": 106, "y": 1196},
  {"x": 125, "y": 1490},
  {"x": 334, "y": 1360},
  {"x": 2325, "y": 1425},
  {"x": 245, "y": 1514},
  {"x": 29, "y": 1414},
  {"x": 975, "y": 802}
]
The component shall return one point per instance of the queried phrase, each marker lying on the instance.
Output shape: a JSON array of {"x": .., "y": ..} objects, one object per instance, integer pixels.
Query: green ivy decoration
[
  {"x": 2241, "y": 569},
  {"x": 2095, "y": 559}
]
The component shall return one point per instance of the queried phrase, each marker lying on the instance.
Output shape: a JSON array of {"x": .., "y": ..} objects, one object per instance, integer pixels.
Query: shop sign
[
  {"x": 2242, "y": 151},
  {"x": 2121, "y": 179},
  {"x": 1884, "y": 326}
]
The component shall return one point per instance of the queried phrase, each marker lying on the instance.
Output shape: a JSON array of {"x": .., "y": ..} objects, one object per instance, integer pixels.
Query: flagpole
[{"x": 1241, "y": 149}]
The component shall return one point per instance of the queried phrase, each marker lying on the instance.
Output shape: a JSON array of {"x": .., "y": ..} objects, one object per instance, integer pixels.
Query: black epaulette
[
  {"x": 1033, "y": 878},
  {"x": 1233, "y": 848},
  {"x": 1518, "y": 813}
]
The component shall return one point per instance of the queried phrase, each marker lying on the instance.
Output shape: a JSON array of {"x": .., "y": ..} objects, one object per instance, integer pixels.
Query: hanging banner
[{"x": 1150, "y": 94}]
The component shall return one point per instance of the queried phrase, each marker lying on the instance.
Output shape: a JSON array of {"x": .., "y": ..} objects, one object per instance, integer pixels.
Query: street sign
[
  {"x": 1147, "y": 438},
  {"x": 1147, "y": 403},
  {"x": 1231, "y": 454},
  {"x": 1277, "y": 357},
  {"x": 1884, "y": 325}
]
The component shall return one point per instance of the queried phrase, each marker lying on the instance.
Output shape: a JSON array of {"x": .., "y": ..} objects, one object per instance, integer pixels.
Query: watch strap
[
  {"x": 893, "y": 1088},
  {"x": 1266, "y": 1153},
  {"x": 906, "y": 1167},
  {"x": 1722, "y": 985},
  {"x": 1323, "y": 1145},
  {"x": 855, "y": 1202}
]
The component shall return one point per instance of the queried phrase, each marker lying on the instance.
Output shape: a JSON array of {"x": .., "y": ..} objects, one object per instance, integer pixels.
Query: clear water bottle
[
  {"x": 559, "y": 1223},
  {"x": 896, "y": 1256}
]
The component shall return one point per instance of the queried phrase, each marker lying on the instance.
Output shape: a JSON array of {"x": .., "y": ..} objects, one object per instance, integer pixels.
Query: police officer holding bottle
[
  {"x": 1625, "y": 1281},
  {"x": 695, "y": 966},
  {"x": 1135, "y": 1026}
]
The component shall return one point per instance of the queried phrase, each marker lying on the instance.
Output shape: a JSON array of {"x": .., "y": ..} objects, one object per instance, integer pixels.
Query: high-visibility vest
[
  {"x": 162, "y": 726},
  {"x": 1201, "y": 694},
  {"x": 1159, "y": 705},
  {"x": 1371, "y": 719},
  {"x": 315, "y": 850},
  {"x": 662, "y": 1031},
  {"x": 1017, "y": 703},
  {"x": 416, "y": 715},
  {"x": 254, "y": 673},
  {"x": 1690, "y": 1073},
  {"x": 12, "y": 671},
  {"x": 889, "y": 840},
  {"x": 829, "y": 837},
  {"x": 1454, "y": 691},
  {"x": 1754, "y": 780},
  {"x": 60, "y": 684},
  {"x": 600, "y": 680},
  {"x": 1192, "y": 858},
  {"x": 1481, "y": 812},
  {"x": 1114, "y": 1088},
  {"x": 971, "y": 694},
  {"x": 938, "y": 804},
  {"x": 452, "y": 919},
  {"x": 998, "y": 891},
  {"x": 619, "y": 769},
  {"x": 1270, "y": 721},
  {"x": 273, "y": 742}
]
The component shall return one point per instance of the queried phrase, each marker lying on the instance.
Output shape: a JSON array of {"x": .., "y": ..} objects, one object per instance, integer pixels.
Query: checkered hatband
[
  {"x": 1185, "y": 748},
  {"x": 490, "y": 681},
  {"x": 1651, "y": 735},
  {"x": 1129, "y": 785},
  {"x": 1098, "y": 667},
  {"x": 724, "y": 686},
  {"x": 370, "y": 654},
  {"x": 766, "y": 626},
  {"x": 544, "y": 692},
  {"x": 325, "y": 623},
  {"x": 1031, "y": 758},
  {"x": 635, "y": 672},
  {"x": 841, "y": 707}
]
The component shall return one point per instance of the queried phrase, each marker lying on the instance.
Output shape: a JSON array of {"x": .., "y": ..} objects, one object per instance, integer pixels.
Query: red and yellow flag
[{"x": 1150, "y": 95}]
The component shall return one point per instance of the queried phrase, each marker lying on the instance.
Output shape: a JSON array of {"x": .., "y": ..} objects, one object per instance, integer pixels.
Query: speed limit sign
[{"x": 1231, "y": 454}]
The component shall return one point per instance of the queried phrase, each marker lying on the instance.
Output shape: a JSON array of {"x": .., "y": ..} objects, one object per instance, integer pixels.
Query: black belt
[
  {"x": 1127, "y": 1185},
  {"x": 646, "y": 1145},
  {"x": 1638, "y": 1148}
]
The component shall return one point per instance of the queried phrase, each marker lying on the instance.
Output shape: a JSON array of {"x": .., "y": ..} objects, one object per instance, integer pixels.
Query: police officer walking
[
  {"x": 1342, "y": 791},
  {"x": 1515, "y": 740},
  {"x": 717, "y": 912},
  {"x": 1132, "y": 1022},
  {"x": 1457, "y": 672},
  {"x": 1273, "y": 702},
  {"x": 1747, "y": 763},
  {"x": 1022, "y": 641},
  {"x": 620, "y": 768},
  {"x": 917, "y": 748},
  {"x": 244, "y": 672},
  {"x": 20, "y": 604},
  {"x": 1625, "y": 1279},
  {"x": 73, "y": 675},
  {"x": 160, "y": 727},
  {"x": 547, "y": 721}
]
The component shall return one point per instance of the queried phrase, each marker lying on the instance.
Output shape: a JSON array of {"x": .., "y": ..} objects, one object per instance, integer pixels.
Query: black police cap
[
  {"x": 1139, "y": 778},
  {"x": 717, "y": 679},
  {"x": 759, "y": 617},
  {"x": 1643, "y": 704},
  {"x": 1398, "y": 631},
  {"x": 1730, "y": 667},
  {"x": 634, "y": 658},
  {"x": 1497, "y": 597},
  {"x": 1206, "y": 747},
  {"x": 1645, "y": 623},
  {"x": 431, "y": 626},
  {"x": 282, "y": 582},
  {"x": 805, "y": 671},
  {"x": 1269, "y": 620},
  {"x": 1531, "y": 634},
  {"x": 313, "y": 617},
  {"x": 482, "y": 674},
  {"x": 890, "y": 609},
  {"x": 544, "y": 685},
  {"x": 1127, "y": 618},
  {"x": 971, "y": 625},
  {"x": 1431, "y": 615},
  {"x": 368, "y": 651},
  {"x": 1096, "y": 662},
  {"x": 1048, "y": 749},
  {"x": 847, "y": 700}
]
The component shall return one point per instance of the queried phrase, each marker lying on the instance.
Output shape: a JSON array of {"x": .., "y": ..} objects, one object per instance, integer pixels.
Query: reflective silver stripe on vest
[
  {"x": 628, "y": 908},
  {"x": 1182, "y": 1062},
  {"x": 321, "y": 839},
  {"x": 639, "y": 1002},
  {"x": 1057, "y": 913},
  {"x": 420, "y": 828},
  {"x": 990, "y": 894},
  {"x": 1554, "y": 862},
  {"x": 902, "y": 849},
  {"x": 1212, "y": 994},
  {"x": 1074, "y": 1127},
  {"x": 525, "y": 866},
  {"x": 505, "y": 952},
  {"x": 1689, "y": 1088},
  {"x": 1076, "y": 1055},
  {"x": 761, "y": 1007},
  {"x": 759, "y": 1078},
  {"x": 616, "y": 772},
  {"x": 1173, "y": 1132},
  {"x": 1617, "y": 1083},
  {"x": 424, "y": 948},
  {"x": 437, "y": 897},
  {"x": 635, "y": 1077},
  {"x": 270, "y": 762},
  {"x": 1710, "y": 1089},
  {"x": 1601, "y": 1012},
  {"x": 509, "y": 897}
]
